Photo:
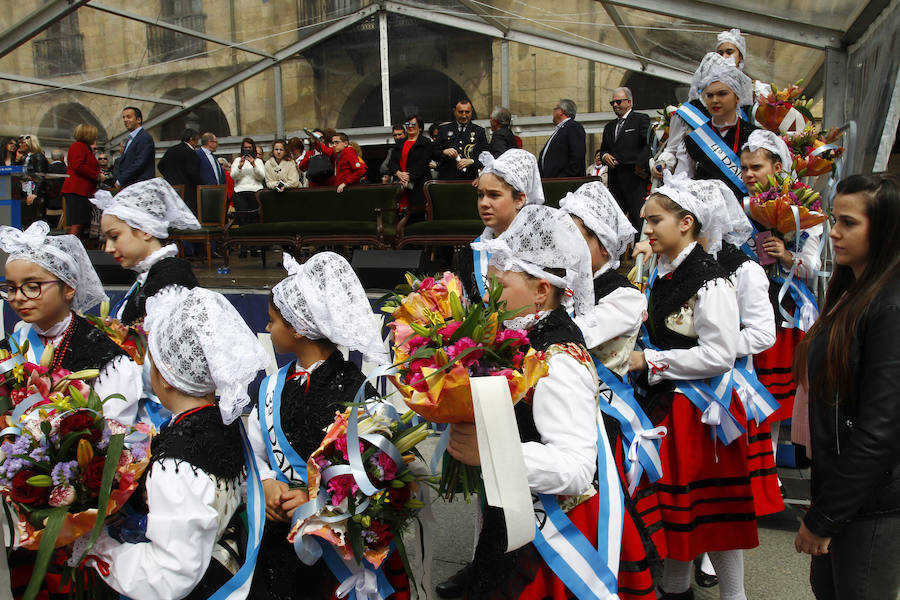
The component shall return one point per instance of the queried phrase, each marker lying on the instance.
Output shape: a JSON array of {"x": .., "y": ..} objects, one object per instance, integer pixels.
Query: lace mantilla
[
  {"x": 200, "y": 344},
  {"x": 595, "y": 206},
  {"x": 167, "y": 271},
  {"x": 542, "y": 239},
  {"x": 62, "y": 255},
  {"x": 152, "y": 206},
  {"x": 323, "y": 299},
  {"x": 519, "y": 169}
]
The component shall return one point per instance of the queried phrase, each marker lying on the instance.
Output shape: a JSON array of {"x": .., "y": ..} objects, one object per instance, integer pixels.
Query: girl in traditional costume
[
  {"x": 50, "y": 282},
  {"x": 543, "y": 264},
  {"x": 320, "y": 305},
  {"x": 195, "y": 541},
  {"x": 610, "y": 329},
  {"x": 507, "y": 183},
  {"x": 135, "y": 222},
  {"x": 693, "y": 331}
]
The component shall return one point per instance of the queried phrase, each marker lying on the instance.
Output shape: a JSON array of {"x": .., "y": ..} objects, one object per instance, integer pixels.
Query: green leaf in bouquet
[
  {"x": 354, "y": 531},
  {"x": 423, "y": 352},
  {"x": 456, "y": 307},
  {"x": 804, "y": 110},
  {"x": 69, "y": 440},
  {"x": 110, "y": 397},
  {"x": 40, "y": 466},
  {"x": 52, "y": 527},
  {"x": 75, "y": 395},
  {"x": 401, "y": 550},
  {"x": 94, "y": 402},
  {"x": 113, "y": 453},
  {"x": 6, "y": 404},
  {"x": 472, "y": 320},
  {"x": 45, "y": 428}
]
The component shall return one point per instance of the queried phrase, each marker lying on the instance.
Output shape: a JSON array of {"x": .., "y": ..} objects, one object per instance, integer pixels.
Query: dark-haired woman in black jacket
[{"x": 852, "y": 359}]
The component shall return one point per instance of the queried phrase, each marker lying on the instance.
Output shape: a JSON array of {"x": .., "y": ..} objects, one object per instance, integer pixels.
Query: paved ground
[{"x": 773, "y": 570}]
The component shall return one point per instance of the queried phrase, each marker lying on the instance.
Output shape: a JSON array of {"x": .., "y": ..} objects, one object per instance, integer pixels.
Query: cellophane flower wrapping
[
  {"x": 775, "y": 106},
  {"x": 355, "y": 529},
  {"x": 439, "y": 343},
  {"x": 771, "y": 205},
  {"x": 810, "y": 159}
]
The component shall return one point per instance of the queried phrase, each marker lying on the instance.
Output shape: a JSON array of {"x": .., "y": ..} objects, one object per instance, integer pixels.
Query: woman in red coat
[{"x": 81, "y": 184}]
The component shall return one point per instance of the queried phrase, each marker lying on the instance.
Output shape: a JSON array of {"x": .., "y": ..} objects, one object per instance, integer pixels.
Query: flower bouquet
[
  {"x": 771, "y": 205},
  {"x": 662, "y": 122},
  {"x": 131, "y": 338},
  {"x": 784, "y": 110},
  {"x": 63, "y": 464},
  {"x": 439, "y": 344},
  {"x": 814, "y": 151},
  {"x": 361, "y": 519}
]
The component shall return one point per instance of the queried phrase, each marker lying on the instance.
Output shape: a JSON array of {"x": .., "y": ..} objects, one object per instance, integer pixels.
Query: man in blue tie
[
  {"x": 138, "y": 158},
  {"x": 211, "y": 172}
]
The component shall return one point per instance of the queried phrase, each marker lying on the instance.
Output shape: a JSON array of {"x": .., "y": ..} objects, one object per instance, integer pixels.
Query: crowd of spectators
[{"x": 327, "y": 157}]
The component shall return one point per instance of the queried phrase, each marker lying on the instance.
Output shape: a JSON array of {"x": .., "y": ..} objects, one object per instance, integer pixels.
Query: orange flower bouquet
[
  {"x": 439, "y": 344},
  {"x": 771, "y": 205},
  {"x": 783, "y": 110},
  {"x": 814, "y": 151}
]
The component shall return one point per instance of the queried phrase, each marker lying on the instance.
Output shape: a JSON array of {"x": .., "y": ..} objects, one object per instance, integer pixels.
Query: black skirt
[{"x": 78, "y": 210}]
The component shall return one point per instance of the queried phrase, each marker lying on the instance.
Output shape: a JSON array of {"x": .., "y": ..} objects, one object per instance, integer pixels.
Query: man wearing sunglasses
[{"x": 626, "y": 151}]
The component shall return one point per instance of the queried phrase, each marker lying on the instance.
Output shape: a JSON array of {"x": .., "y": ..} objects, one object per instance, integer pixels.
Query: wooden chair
[{"x": 212, "y": 205}]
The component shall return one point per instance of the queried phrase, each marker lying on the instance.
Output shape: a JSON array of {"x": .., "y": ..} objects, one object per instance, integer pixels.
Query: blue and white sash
[
  {"x": 711, "y": 145},
  {"x": 640, "y": 439},
  {"x": 239, "y": 585},
  {"x": 590, "y": 573},
  {"x": 480, "y": 260},
  {"x": 759, "y": 403},
  {"x": 35, "y": 345},
  {"x": 357, "y": 582},
  {"x": 290, "y": 466},
  {"x": 119, "y": 308}
]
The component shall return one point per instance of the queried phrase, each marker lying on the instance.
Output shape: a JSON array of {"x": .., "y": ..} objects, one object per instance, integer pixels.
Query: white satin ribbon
[
  {"x": 363, "y": 582},
  {"x": 645, "y": 439}
]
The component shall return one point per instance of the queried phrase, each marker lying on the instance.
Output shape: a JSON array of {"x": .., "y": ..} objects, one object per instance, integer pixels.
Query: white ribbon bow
[
  {"x": 363, "y": 581},
  {"x": 641, "y": 438}
]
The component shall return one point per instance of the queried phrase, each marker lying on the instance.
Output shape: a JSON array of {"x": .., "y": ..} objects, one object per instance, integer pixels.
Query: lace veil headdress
[
  {"x": 718, "y": 68},
  {"x": 733, "y": 36},
  {"x": 152, "y": 206},
  {"x": 323, "y": 299},
  {"x": 763, "y": 138},
  {"x": 519, "y": 169},
  {"x": 595, "y": 206},
  {"x": 200, "y": 344},
  {"x": 543, "y": 238},
  {"x": 62, "y": 255}
]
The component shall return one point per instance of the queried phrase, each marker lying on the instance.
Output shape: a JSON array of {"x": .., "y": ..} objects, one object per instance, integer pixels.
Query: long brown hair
[{"x": 847, "y": 298}]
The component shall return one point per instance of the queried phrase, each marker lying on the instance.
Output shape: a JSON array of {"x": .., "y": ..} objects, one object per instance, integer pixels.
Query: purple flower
[
  {"x": 64, "y": 472},
  {"x": 139, "y": 451}
]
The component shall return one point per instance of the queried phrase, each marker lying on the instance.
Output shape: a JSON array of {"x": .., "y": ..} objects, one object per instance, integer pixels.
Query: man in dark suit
[
  {"x": 458, "y": 145},
  {"x": 211, "y": 172},
  {"x": 502, "y": 137},
  {"x": 136, "y": 162},
  {"x": 626, "y": 151},
  {"x": 180, "y": 165},
  {"x": 564, "y": 153}
]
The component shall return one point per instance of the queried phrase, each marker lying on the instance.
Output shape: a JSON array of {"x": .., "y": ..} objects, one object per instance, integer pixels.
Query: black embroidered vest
[
  {"x": 204, "y": 442},
  {"x": 672, "y": 291},
  {"x": 168, "y": 271},
  {"x": 609, "y": 282},
  {"x": 730, "y": 258},
  {"x": 89, "y": 348}
]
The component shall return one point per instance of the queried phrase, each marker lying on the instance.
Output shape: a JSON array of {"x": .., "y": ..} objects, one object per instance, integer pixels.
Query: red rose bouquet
[
  {"x": 64, "y": 466},
  {"x": 439, "y": 344},
  {"x": 361, "y": 519}
]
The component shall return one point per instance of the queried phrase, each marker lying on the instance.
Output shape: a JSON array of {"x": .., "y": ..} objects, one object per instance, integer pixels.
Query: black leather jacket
[{"x": 856, "y": 441}]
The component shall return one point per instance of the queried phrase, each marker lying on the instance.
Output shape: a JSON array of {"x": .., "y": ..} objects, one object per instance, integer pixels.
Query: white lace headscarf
[
  {"x": 733, "y": 36},
  {"x": 152, "y": 206},
  {"x": 519, "y": 169},
  {"x": 200, "y": 344},
  {"x": 542, "y": 238},
  {"x": 595, "y": 206},
  {"x": 718, "y": 68},
  {"x": 323, "y": 299},
  {"x": 763, "y": 138},
  {"x": 62, "y": 255},
  {"x": 719, "y": 214}
]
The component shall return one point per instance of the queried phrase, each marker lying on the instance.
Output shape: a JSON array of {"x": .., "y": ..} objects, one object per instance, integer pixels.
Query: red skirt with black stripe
[
  {"x": 705, "y": 496},
  {"x": 635, "y": 580},
  {"x": 773, "y": 367},
  {"x": 763, "y": 474}
]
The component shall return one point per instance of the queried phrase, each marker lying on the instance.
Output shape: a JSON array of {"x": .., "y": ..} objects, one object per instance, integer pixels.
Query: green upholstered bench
[
  {"x": 555, "y": 189},
  {"x": 452, "y": 216},
  {"x": 361, "y": 214}
]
